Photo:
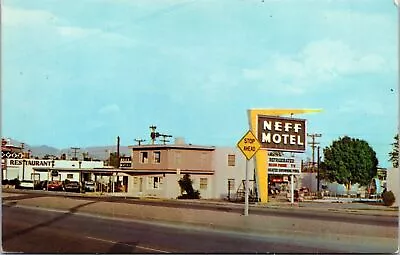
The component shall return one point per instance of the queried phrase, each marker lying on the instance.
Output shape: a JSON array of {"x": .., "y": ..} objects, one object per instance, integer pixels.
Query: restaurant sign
[{"x": 29, "y": 162}]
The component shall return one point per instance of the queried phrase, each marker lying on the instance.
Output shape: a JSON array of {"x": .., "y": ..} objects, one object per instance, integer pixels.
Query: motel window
[
  {"x": 203, "y": 183},
  {"x": 231, "y": 184},
  {"x": 70, "y": 176},
  {"x": 157, "y": 157},
  {"x": 231, "y": 160},
  {"x": 144, "y": 157}
]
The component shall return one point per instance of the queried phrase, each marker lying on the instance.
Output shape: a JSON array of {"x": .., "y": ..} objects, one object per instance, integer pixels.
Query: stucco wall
[
  {"x": 393, "y": 182},
  {"x": 223, "y": 172}
]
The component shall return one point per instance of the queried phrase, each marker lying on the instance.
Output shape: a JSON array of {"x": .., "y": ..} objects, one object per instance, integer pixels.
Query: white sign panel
[{"x": 283, "y": 165}]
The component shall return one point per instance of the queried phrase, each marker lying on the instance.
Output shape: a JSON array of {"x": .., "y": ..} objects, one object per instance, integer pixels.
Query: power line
[{"x": 75, "y": 149}]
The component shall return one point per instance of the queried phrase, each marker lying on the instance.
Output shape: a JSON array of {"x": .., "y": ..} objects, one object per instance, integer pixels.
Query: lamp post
[{"x": 23, "y": 169}]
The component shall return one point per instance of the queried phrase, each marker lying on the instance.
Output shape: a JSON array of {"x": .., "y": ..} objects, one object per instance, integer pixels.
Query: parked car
[
  {"x": 42, "y": 185},
  {"x": 38, "y": 185},
  {"x": 55, "y": 186},
  {"x": 90, "y": 186},
  {"x": 25, "y": 184},
  {"x": 72, "y": 186}
]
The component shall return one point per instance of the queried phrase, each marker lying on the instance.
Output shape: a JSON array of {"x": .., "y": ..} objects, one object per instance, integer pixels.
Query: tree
[
  {"x": 186, "y": 184},
  {"x": 394, "y": 154},
  {"x": 348, "y": 161},
  {"x": 113, "y": 159}
]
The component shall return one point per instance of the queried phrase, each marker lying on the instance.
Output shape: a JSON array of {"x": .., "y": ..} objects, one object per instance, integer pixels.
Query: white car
[
  {"x": 26, "y": 184},
  {"x": 90, "y": 186}
]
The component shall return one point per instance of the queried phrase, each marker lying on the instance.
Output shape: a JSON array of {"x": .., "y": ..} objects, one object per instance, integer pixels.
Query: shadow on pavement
[
  {"x": 47, "y": 223},
  {"x": 21, "y": 197}
]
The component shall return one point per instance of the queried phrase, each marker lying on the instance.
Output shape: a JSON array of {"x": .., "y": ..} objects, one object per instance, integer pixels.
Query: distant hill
[
  {"x": 36, "y": 151},
  {"x": 97, "y": 152},
  {"x": 42, "y": 150}
]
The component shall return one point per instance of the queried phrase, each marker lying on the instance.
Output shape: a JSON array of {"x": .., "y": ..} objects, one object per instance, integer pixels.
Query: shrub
[
  {"x": 5, "y": 182},
  {"x": 388, "y": 198},
  {"x": 186, "y": 185}
]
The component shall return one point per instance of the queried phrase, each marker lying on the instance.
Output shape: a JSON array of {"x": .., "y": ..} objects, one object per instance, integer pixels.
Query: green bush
[
  {"x": 388, "y": 198},
  {"x": 186, "y": 185}
]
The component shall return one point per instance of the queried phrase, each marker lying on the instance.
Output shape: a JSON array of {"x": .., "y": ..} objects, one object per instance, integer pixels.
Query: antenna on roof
[
  {"x": 139, "y": 141},
  {"x": 153, "y": 134},
  {"x": 164, "y": 140}
]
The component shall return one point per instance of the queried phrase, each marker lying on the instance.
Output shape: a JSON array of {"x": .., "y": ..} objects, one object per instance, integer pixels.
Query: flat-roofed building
[{"x": 157, "y": 168}]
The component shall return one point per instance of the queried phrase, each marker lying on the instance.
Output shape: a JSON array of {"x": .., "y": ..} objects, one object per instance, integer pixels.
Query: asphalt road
[
  {"x": 378, "y": 220},
  {"x": 41, "y": 231}
]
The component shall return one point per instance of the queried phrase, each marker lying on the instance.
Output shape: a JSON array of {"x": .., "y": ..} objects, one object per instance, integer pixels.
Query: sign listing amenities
[
  {"x": 283, "y": 134},
  {"x": 283, "y": 165}
]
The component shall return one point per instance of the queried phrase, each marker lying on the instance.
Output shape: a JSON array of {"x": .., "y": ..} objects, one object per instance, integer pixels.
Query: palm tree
[{"x": 394, "y": 155}]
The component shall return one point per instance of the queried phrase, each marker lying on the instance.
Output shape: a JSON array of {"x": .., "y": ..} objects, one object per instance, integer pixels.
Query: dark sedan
[{"x": 72, "y": 186}]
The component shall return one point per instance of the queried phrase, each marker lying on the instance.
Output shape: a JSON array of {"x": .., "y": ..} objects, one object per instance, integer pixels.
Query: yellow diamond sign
[{"x": 249, "y": 145}]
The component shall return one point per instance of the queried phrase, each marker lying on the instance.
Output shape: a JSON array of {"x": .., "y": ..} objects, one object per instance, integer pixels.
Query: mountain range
[{"x": 97, "y": 152}]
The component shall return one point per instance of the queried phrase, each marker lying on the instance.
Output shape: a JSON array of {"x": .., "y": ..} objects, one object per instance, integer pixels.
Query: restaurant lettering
[{"x": 20, "y": 162}]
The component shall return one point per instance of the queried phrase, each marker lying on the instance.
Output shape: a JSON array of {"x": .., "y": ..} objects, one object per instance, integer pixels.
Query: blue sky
[{"x": 79, "y": 73}]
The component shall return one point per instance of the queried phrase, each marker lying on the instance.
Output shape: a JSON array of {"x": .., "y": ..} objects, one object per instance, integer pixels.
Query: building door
[
  {"x": 125, "y": 183},
  {"x": 141, "y": 184}
]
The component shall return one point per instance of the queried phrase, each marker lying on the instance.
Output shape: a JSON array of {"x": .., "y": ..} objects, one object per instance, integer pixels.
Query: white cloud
[
  {"x": 78, "y": 32},
  {"x": 40, "y": 20},
  {"x": 319, "y": 62},
  {"x": 109, "y": 109},
  {"x": 20, "y": 17}
]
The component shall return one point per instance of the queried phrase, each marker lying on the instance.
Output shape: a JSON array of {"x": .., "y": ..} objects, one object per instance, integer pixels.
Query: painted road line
[{"x": 135, "y": 246}]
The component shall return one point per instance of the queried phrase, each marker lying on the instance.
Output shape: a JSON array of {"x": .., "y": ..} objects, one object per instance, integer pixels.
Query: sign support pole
[
  {"x": 246, "y": 198},
  {"x": 249, "y": 145},
  {"x": 292, "y": 189}
]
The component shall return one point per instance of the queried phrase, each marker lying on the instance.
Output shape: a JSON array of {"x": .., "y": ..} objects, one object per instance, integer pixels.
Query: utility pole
[
  {"x": 118, "y": 141},
  {"x": 75, "y": 149},
  {"x": 153, "y": 134},
  {"x": 139, "y": 141},
  {"x": 313, "y": 144},
  {"x": 164, "y": 140},
  {"x": 318, "y": 162}
]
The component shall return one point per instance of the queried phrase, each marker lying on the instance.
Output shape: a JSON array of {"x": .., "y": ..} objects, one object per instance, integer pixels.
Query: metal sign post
[
  {"x": 292, "y": 189},
  {"x": 246, "y": 198},
  {"x": 249, "y": 145}
]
